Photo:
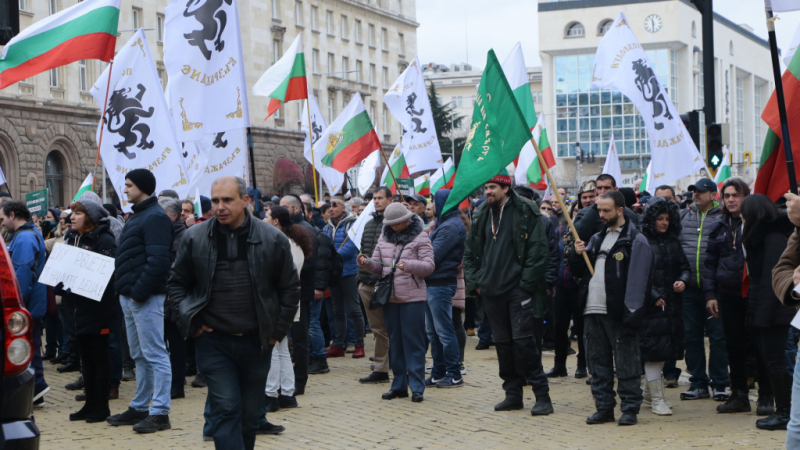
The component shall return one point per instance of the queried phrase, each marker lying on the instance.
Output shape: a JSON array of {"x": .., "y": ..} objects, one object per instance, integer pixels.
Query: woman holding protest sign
[{"x": 91, "y": 231}]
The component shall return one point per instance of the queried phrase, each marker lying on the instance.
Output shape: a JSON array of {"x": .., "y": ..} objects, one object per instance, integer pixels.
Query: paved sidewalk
[{"x": 337, "y": 413}]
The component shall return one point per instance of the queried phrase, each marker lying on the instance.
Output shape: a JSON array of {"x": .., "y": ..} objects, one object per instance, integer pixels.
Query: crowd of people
[{"x": 252, "y": 294}]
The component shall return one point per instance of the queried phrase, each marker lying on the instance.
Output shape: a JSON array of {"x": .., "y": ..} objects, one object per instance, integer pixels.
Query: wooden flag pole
[
  {"x": 102, "y": 126},
  {"x": 380, "y": 150},
  {"x": 311, "y": 144},
  {"x": 553, "y": 186},
  {"x": 776, "y": 73}
]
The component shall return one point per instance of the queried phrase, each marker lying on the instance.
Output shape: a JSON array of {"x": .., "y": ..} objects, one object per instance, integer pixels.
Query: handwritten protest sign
[{"x": 85, "y": 273}]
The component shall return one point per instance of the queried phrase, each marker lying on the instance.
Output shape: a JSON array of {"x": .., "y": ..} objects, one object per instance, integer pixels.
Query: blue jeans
[
  {"x": 485, "y": 332},
  {"x": 36, "y": 362},
  {"x": 145, "y": 326},
  {"x": 115, "y": 358},
  {"x": 406, "y": 327},
  {"x": 315, "y": 329},
  {"x": 236, "y": 369},
  {"x": 793, "y": 429},
  {"x": 697, "y": 321},
  {"x": 441, "y": 333},
  {"x": 791, "y": 350}
]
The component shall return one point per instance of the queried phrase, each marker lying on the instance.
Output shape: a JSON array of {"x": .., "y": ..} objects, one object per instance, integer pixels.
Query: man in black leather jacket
[{"x": 235, "y": 288}]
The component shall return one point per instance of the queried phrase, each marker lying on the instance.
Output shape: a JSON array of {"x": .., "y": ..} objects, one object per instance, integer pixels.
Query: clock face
[{"x": 652, "y": 23}]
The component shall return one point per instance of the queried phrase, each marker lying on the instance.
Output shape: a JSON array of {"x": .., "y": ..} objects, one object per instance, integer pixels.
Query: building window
[
  {"x": 400, "y": 7},
  {"x": 384, "y": 39},
  {"x": 345, "y": 28},
  {"x": 372, "y": 111},
  {"x": 730, "y": 48},
  {"x": 757, "y": 122},
  {"x": 359, "y": 69},
  {"x": 314, "y": 12},
  {"x": 275, "y": 9},
  {"x": 576, "y": 30},
  {"x": 23, "y": 5},
  {"x": 457, "y": 101},
  {"x": 331, "y": 64},
  {"x": 329, "y": 22},
  {"x": 162, "y": 76},
  {"x": 53, "y": 6},
  {"x": 372, "y": 74},
  {"x": 358, "y": 32},
  {"x": 330, "y": 107},
  {"x": 314, "y": 61},
  {"x": 371, "y": 35},
  {"x": 739, "y": 118},
  {"x": 298, "y": 13},
  {"x": 694, "y": 29},
  {"x": 591, "y": 117},
  {"x": 386, "y": 78},
  {"x": 83, "y": 76},
  {"x": 346, "y": 67},
  {"x": 385, "y": 120},
  {"x": 401, "y": 44},
  {"x": 276, "y": 51},
  {"x": 137, "y": 18},
  {"x": 54, "y": 178},
  {"x": 160, "y": 28},
  {"x": 54, "y": 78},
  {"x": 604, "y": 26}
]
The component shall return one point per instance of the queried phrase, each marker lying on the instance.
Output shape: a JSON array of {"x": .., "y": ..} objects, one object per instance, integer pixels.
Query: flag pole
[
  {"x": 252, "y": 159},
  {"x": 776, "y": 73},
  {"x": 311, "y": 144},
  {"x": 389, "y": 166},
  {"x": 554, "y": 188},
  {"x": 102, "y": 127}
]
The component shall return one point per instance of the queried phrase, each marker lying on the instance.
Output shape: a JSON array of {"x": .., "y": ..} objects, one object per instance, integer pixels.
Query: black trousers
[
  {"x": 177, "y": 353},
  {"x": 469, "y": 312},
  {"x": 514, "y": 332},
  {"x": 96, "y": 370},
  {"x": 301, "y": 343},
  {"x": 566, "y": 307},
  {"x": 610, "y": 346},
  {"x": 733, "y": 312}
]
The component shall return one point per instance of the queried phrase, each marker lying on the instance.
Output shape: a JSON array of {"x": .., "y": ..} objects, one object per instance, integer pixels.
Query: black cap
[
  {"x": 205, "y": 204},
  {"x": 408, "y": 198},
  {"x": 420, "y": 199},
  {"x": 703, "y": 185},
  {"x": 524, "y": 191}
]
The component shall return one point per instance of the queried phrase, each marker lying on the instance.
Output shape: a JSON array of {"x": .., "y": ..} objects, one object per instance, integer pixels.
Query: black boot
[
  {"x": 738, "y": 401},
  {"x": 557, "y": 371},
  {"x": 782, "y": 387}
]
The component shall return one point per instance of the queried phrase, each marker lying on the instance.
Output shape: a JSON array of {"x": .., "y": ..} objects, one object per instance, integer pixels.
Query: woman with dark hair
[
  {"x": 93, "y": 320},
  {"x": 766, "y": 233},
  {"x": 662, "y": 334},
  {"x": 281, "y": 372}
]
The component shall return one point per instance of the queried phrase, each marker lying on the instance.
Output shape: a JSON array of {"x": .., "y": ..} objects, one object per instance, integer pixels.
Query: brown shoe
[
  {"x": 113, "y": 393},
  {"x": 470, "y": 331}
]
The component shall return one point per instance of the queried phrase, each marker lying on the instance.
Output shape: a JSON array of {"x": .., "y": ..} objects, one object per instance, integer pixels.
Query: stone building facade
[{"x": 47, "y": 122}]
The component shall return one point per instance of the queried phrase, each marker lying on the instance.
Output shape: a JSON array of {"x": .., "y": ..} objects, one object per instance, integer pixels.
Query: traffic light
[
  {"x": 9, "y": 21},
  {"x": 691, "y": 121},
  {"x": 714, "y": 145}
]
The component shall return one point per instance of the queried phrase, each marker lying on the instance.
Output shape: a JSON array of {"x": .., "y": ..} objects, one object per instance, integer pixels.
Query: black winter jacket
[
  {"x": 143, "y": 255},
  {"x": 372, "y": 232},
  {"x": 308, "y": 273},
  {"x": 764, "y": 309},
  {"x": 723, "y": 270},
  {"x": 662, "y": 334},
  {"x": 448, "y": 239},
  {"x": 273, "y": 276},
  {"x": 324, "y": 262},
  {"x": 554, "y": 257},
  {"x": 92, "y": 317},
  {"x": 628, "y": 270}
]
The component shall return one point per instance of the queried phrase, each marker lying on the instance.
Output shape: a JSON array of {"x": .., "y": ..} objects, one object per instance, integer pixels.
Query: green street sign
[
  {"x": 405, "y": 186},
  {"x": 37, "y": 202}
]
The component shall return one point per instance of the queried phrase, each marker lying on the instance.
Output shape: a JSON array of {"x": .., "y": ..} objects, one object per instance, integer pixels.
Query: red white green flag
[
  {"x": 350, "y": 138},
  {"x": 528, "y": 170},
  {"x": 286, "y": 79},
  {"x": 443, "y": 178},
  {"x": 398, "y": 164},
  {"x": 422, "y": 185},
  {"x": 87, "y": 30},
  {"x": 724, "y": 170}
]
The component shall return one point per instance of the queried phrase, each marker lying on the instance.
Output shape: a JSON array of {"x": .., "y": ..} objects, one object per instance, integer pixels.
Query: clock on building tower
[{"x": 652, "y": 23}]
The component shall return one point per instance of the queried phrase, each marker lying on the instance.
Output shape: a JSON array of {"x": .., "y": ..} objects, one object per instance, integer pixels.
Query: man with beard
[
  {"x": 505, "y": 260},
  {"x": 621, "y": 258}
]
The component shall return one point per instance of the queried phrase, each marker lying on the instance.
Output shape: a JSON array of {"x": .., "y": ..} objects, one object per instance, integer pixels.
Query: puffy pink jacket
[
  {"x": 409, "y": 284},
  {"x": 460, "y": 299}
]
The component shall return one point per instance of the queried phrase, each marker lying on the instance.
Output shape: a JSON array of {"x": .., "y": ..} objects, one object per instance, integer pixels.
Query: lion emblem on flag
[
  {"x": 647, "y": 83},
  {"x": 122, "y": 117},
  {"x": 213, "y": 20}
]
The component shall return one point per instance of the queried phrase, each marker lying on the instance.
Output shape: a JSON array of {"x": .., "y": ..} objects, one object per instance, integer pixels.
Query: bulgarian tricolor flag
[
  {"x": 443, "y": 178},
  {"x": 85, "y": 187},
  {"x": 724, "y": 171},
  {"x": 398, "y": 164},
  {"x": 286, "y": 79},
  {"x": 772, "y": 179},
  {"x": 350, "y": 138},
  {"x": 643, "y": 186},
  {"x": 517, "y": 75},
  {"x": 87, "y": 30},
  {"x": 422, "y": 185}
]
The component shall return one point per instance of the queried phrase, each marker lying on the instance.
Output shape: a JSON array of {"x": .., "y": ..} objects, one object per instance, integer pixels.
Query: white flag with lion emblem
[
  {"x": 137, "y": 129},
  {"x": 203, "y": 57},
  {"x": 621, "y": 65}
]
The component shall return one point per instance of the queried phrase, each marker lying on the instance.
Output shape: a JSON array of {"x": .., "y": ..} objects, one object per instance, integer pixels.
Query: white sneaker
[{"x": 429, "y": 369}]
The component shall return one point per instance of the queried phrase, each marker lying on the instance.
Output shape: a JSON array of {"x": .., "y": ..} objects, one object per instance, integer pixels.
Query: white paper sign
[{"x": 83, "y": 272}]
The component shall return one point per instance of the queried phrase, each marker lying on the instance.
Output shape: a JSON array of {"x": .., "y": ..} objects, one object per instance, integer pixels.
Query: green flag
[{"x": 497, "y": 134}]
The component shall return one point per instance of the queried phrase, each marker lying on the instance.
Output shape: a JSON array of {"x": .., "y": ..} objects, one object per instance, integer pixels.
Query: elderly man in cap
[
  {"x": 505, "y": 260},
  {"x": 142, "y": 266},
  {"x": 418, "y": 204},
  {"x": 697, "y": 321}
]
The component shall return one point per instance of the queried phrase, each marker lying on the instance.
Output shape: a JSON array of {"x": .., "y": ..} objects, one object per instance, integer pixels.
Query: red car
[{"x": 17, "y": 427}]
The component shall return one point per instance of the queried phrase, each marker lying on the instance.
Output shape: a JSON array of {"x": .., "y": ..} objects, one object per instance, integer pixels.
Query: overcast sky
[{"x": 454, "y": 31}]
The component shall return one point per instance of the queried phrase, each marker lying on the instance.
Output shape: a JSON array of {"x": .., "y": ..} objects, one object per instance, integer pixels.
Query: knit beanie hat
[
  {"x": 396, "y": 213},
  {"x": 205, "y": 204},
  {"x": 94, "y": 209},
  {"x": 143, "y": 179}
]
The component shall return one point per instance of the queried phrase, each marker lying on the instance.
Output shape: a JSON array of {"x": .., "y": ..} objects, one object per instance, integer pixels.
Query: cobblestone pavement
[{"x": 338, "y": 413}]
